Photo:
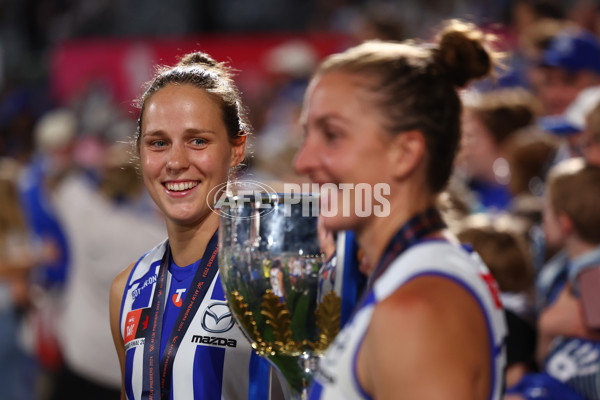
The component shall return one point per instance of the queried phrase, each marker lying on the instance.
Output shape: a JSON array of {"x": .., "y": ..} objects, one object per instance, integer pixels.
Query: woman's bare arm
[
  {"x": 428, "y": 340},
  {"x": 117, "y": 291}
]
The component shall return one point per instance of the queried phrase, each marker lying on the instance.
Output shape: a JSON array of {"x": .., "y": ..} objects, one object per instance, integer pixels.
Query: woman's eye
[
  {"x": 198, "y": 142},
  {"x": 158, "y": 143},
  {"x": 331, "y": 135}
]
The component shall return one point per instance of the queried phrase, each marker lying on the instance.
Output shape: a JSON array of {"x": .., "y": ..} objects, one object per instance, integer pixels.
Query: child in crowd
[
  {"x": 568, "y": 342},
  {"x": 489, "y": 120},
  {"x": 502, "y": 244}
]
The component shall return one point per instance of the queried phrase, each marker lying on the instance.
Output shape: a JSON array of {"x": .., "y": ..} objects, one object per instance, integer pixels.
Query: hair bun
[
  {"x": 197, "y": 58},
  {"x": 462, "y": 53}
]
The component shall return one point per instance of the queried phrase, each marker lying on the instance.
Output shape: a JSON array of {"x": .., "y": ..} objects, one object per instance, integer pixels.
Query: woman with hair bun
[
  {"x": 430, "y": 324},
  {"x": 171, "y": 326}
]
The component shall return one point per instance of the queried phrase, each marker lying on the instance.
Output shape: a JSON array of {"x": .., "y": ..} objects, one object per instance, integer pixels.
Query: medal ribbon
[
  {"x": 412, "y": 232},
  {"x": 158, "y": 370}
]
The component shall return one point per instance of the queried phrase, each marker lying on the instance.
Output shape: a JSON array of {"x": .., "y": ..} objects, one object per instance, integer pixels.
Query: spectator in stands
[
  {"x": 501, "y": 241},
  {"x": 489, "y": 120},
  {"x": 568, "y": 342},
  {"x": 21, "y": 251},
  {"x": 570, "y": 63},
  {"x": 590, "y": 142}
]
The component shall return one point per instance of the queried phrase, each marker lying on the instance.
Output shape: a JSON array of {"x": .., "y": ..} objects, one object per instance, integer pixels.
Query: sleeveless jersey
[
  {"x": 214, "y": 360},
  {"x": 337, "y": 375}
]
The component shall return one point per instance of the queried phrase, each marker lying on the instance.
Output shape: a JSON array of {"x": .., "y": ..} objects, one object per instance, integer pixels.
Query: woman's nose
[
  {"x": 178, "y": 159},
  {"x": 306, "y": 158}
]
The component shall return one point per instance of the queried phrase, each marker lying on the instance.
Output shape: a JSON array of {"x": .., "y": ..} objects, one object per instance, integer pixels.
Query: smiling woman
[
  {"x": 430, "y": 324},
  {"x": 191, "y": 133},
  {"x": 185, "y": 151}
]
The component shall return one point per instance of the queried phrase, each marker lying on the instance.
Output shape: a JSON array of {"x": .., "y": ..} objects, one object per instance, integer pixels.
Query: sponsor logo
[
  {"x": 135, "y": 293},
  {"x": 214, "y": 341},
  {"x": 177, "y": 297},
  {"x": 217, "y": 318},
  {"x": 136, "y": 324},
  {"x": 135, "y": 343}
]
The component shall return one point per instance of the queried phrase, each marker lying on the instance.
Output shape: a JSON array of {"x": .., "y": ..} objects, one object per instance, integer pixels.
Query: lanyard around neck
[
  {"x": 157, "y": 377},
  {"x": 413, "y": 231}
]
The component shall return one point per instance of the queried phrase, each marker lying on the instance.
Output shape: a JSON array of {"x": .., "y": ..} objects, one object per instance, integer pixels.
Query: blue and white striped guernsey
[
  {"x": 214, "y": 360},
  {"x": 337, "y": 379}
]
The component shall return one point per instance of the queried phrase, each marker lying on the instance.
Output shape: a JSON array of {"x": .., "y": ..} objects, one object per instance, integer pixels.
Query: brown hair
[
  {"x": 529, "y": 153},
  {"x": 415, "y": 86},
  {"x": 574, "y": 189},
  {"x": 504, "y": 111},
  {"x": 203, "y": 72},
  {"x": 502, "y": 246}
]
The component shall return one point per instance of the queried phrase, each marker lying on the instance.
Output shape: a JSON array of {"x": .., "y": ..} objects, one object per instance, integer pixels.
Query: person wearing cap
[
  {"x": 571, "y": 125},
  {"x": 568, "y": 345},
  {"x": 569, "y": 64}
]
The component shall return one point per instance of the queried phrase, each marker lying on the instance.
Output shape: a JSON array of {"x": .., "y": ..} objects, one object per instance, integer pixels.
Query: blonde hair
[{"x": 415, "y": 86}]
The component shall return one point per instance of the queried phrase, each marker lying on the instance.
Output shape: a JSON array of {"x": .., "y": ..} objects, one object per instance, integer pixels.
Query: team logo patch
[
  {"x": 136, "y": 324},
  {"x": 217, "y": 318}
]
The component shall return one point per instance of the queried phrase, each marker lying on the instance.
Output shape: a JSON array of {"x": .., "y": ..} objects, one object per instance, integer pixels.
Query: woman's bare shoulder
[
  {"x": 430, "y": 327},
  {"x": 120, "y": 281}
]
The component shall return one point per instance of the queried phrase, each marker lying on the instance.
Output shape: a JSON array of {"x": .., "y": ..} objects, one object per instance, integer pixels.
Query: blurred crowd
[{"x": 73, "y": 212}]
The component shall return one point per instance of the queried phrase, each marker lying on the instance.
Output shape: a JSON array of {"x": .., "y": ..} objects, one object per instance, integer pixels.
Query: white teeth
[{"x": 178, "y": 187}]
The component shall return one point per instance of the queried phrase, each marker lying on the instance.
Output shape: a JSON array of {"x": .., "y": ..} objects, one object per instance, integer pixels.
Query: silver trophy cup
[{"x": 270, "y": 264}]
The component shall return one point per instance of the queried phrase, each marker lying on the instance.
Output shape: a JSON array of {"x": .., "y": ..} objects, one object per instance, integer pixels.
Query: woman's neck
[
  {"x": 189, "y": 243},
  {"x": 374, "y": 236}
]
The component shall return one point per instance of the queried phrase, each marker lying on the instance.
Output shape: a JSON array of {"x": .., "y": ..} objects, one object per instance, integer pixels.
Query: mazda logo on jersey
[{"x": 217, "y": 318}]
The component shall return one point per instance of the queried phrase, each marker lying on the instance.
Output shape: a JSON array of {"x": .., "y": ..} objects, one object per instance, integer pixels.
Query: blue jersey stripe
[
  {"x": 259, "y": 378},
  {"x": 129, "y": 357},
  {"x": 315, "y": 390},
  {"x": 352, "y": 279},
  {"x": 142, "y": 299},
  {"x": 208, "y": 381}
]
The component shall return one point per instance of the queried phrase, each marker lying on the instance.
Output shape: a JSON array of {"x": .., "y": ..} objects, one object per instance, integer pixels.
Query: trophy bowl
[{"x": 270, "y": 261}]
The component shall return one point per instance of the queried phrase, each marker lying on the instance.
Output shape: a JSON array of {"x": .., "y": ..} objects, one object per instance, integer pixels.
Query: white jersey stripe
[{"x": 136, "y": 379}]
